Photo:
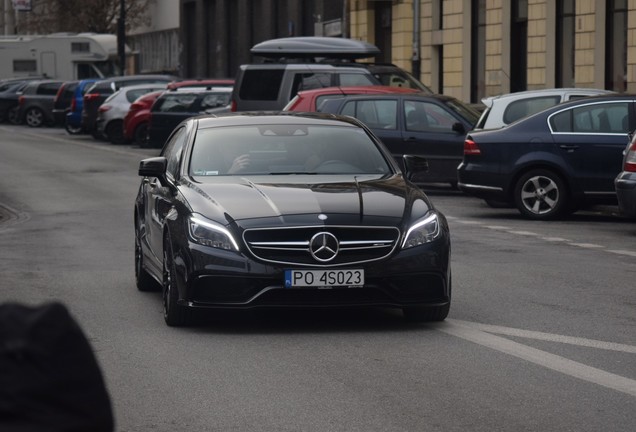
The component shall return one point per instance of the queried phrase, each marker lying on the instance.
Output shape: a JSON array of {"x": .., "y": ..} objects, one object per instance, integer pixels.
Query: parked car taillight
[
  {"x": 20, "y": 100},
  {"x": 471, "y": 148},
  {"x": 104, "y": 108},
  {"x": 233, "y": 107},
  {"x": 73, "y": 104},
  {"x": 630, "y": 160},
  {"x": 136, "y": 106},
  {"x": 90, "y": 97},
  {"x": 58, "y": 95}
]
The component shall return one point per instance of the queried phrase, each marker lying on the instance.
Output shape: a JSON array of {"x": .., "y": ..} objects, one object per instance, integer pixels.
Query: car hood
[{"x": 293, "y": 200}]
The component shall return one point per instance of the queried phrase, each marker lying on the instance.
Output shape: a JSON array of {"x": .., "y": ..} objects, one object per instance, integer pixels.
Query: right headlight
[
  {"x": 423, "y": 231},
  {"x": 211, "y": 234}
]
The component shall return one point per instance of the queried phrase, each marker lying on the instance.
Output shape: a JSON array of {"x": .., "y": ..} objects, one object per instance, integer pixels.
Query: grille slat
[{"x": 292, "y": 245}]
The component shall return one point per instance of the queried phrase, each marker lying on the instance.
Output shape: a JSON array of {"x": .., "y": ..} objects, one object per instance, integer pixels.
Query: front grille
[{"x": 294, "y": 245}]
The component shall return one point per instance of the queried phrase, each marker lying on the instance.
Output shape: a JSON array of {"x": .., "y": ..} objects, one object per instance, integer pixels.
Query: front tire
[
  {"x": 541, "y": 195},
  {"x": 174, "y": 314}
]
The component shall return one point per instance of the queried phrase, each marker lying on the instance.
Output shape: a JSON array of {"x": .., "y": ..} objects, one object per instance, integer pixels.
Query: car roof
[
  {"x": 410, "y": 95},
  {"x": 223, "y": 82},
  {"x": 539, "y": 92},
  {"x": 357, "y": 90},
  {"x": 197, "y": 90}
]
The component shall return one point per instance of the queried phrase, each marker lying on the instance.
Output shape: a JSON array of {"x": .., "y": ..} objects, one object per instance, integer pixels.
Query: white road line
[
  {"x": 549, "y": 337},
  {"x": 623, "y": 252},
  {"x": 525, "y": 233},
  {"x": 547, "y": 239},
  {"x": 551, "y": 361},
  {"x": 498, "y": 227},
  {"x": 587, "y": 245}
]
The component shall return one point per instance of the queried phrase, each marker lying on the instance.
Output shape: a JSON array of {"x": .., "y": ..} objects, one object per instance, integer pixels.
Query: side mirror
[
  {"x": 414, "y": 165},
  {"x": 459, "y": 128},
  {"x": 154, "y": 167}
]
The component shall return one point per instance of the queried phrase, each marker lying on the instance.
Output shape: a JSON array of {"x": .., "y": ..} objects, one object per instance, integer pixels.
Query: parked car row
[
  {"x": 100, "y": 107},
  {"x": 532, "y": 150}
]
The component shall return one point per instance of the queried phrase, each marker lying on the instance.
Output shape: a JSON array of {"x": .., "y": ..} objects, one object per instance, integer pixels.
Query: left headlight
[
  {"x": 423, "y": 231},
  {"x": 211, "y": 234}
]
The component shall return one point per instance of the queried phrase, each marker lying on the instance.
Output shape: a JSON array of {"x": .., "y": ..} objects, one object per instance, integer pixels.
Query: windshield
[
  {"x": 285, "y": 149},
  {"x": 467, "y": 112}
]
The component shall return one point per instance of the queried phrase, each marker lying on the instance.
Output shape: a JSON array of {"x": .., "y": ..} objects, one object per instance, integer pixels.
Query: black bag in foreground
[{"x": 49, "y": 377}]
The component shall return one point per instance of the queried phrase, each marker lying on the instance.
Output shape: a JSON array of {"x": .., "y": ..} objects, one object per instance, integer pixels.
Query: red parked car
[
  {"x": 136, "y": 121},
  {"x": 310, "y": 100}
]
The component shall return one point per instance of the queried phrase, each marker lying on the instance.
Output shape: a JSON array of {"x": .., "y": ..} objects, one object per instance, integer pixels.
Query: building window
[
  {"x": 25, "y": 66},
  {"x": 616, "y": 46},
  {"x": 478, "y": 50},
  {"x": 566, "y": 13},
  {"x": 519, "y": 46}
]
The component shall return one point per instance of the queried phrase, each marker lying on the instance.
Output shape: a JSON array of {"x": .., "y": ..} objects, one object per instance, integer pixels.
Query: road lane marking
[
  {"x": 568, "y": 242},
  {"x": 549, "y": 337},
  {"x": 622, "y": 252},
  {"x": 471, "y": 332}
]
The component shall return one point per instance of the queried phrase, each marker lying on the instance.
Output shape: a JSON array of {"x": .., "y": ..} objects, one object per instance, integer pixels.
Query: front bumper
[{"x": 212, "y": 278}]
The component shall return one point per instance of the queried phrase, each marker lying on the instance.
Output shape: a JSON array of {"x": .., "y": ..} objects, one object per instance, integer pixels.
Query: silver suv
[{"x": 304, "y": 63}]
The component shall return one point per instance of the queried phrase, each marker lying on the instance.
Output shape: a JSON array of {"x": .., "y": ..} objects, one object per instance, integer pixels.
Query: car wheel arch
[{"x": 522, "y": 170}]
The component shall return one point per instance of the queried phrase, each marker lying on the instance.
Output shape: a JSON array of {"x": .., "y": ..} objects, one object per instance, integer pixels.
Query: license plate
[{"x": 324, "y": 278}]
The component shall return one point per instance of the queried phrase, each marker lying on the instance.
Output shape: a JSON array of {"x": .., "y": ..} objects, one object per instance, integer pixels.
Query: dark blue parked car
[
  {"x": 554, "y": 162},
  {"x": 73, "y": 121}
]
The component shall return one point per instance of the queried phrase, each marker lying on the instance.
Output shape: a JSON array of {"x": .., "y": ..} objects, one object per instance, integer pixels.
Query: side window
[
  {"x": 176, "y": 103},
  {"x": 173, "y": 150},
  {"x": 525, "y": 107},
  {"x": 597, "y": 118},
  {"x": 351, "y": 80},
  {"x": 324, "y": 98},
  {"x": 376, "y": 114},
  {"x": 427, "y": 117},
  {"x": 261, "y": 84},
  {"x": 215, "y": 101},
  {"x": 309, "y": 81},
  {"x": 49, "y": 89}
]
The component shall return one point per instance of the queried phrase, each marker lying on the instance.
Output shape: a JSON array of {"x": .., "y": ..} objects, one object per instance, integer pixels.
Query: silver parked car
[
  {"x": 110, "y": 115},
  {"x": 504, "y": 109},
  {"x": 625, "y": 182}
]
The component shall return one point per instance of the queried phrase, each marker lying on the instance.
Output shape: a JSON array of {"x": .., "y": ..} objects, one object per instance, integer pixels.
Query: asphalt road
[{"x": 541, "y": 335}]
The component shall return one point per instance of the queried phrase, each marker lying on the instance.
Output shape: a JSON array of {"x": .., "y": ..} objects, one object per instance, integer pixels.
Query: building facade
[
  {"x": 217, "y": 34},
  {"x": 476, "y": 48},
  {"x": 156, "y": 46},
  {"x": 464, "y": 48}
]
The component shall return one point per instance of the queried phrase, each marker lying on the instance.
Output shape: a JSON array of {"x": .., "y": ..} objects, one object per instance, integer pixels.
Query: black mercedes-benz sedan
[{"x": 256, "y": 210}]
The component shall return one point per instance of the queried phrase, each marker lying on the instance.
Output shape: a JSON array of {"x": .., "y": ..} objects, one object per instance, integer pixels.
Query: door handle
[{"x": 569, "y": 147}]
